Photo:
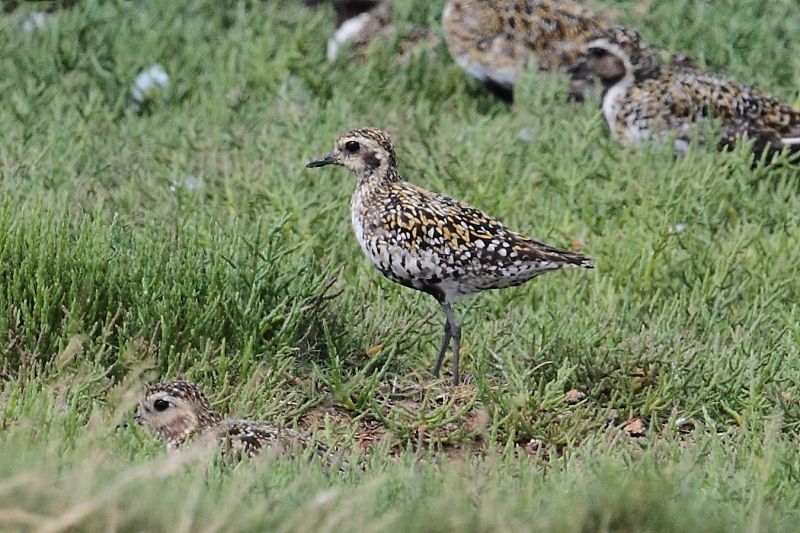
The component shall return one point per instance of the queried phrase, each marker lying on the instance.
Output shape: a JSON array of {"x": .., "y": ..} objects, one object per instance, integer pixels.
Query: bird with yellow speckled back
[
  {"x": 180, "y": 413},
  {"x": 495, "y": 40},
  {"x": 646, "y": 101},
  {"x": 431, "y": 242}
]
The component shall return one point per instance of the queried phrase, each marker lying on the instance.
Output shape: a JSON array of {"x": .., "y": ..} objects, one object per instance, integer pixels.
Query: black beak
[{"x": 329, "y": 159}]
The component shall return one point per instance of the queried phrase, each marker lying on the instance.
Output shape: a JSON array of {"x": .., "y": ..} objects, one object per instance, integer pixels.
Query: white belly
[{"x": 612, "y": 101}]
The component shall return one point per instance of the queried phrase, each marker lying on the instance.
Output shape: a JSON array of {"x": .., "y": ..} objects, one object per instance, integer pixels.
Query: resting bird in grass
[
  {"x": 495, "y": 40},
  {"x": 180, "y": 413},
  {"x": 431, "y": 242},
  {"x": 645, "y": 101}
]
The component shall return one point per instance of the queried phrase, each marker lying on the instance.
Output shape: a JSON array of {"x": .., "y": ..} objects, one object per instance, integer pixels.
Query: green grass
[{"x": 116, "y": 270}]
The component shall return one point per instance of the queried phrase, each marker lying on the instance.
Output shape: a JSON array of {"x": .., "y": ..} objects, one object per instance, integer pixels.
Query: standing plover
[
  {"x": 647, "y": 101},
  {"x": 431, "y": 242},
  {"x": 179, "y": 412}
]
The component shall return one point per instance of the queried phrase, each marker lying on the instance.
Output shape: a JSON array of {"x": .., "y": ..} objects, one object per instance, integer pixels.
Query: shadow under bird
[
  {"x": 431, "y": 242},
  {"x": 647, "y": 101}
]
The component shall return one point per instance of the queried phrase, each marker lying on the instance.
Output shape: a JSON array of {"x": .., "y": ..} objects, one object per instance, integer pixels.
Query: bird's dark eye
[
  {"x": 352, "y": 147},
  {"x": 161, "y": 405},
  {"x": 597, "y": 52}
]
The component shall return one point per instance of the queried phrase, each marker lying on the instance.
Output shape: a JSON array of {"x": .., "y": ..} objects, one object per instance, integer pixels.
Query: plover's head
[
  {"x": 176, "y": 410},
  {"x": 619, "y": 54},
  {"x": 364, "y": 151}
]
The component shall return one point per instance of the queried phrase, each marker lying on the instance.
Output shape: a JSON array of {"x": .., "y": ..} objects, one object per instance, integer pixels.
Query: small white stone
[
  {"x": 525, "y": 135},
  {"x": 679, "y": 228},
  {"x": 35, "y": 21},
  {"x": 149, "y": 80},
  {"x": 190, "y": 182}
]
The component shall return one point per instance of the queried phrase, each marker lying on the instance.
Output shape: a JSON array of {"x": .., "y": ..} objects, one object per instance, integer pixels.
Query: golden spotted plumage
[
  {"x": 180, "y": 413},
  {"x": 494, "y": 40},
  {"x": 432, "y": 242},
  {"x": 446, "y": 241},
  {"x": 647, "y": 101}
]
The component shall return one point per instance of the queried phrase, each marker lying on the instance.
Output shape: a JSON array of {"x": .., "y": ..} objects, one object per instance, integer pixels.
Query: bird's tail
[
  {"x": 785, "y": 143},
  {"x": 791, "y": 139},
  {"x": 791, "y": 142},
  {"x": 766, "y": 145},
  {"x": 564, "y": 258},
  {"x": 579, "y": 260}
]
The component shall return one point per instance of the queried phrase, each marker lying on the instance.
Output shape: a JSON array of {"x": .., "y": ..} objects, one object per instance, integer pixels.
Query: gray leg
[
  {"x": 456, "y": 350},
  {"x": 455, "y": 325},
  {"x": 442, "y": 348}
]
